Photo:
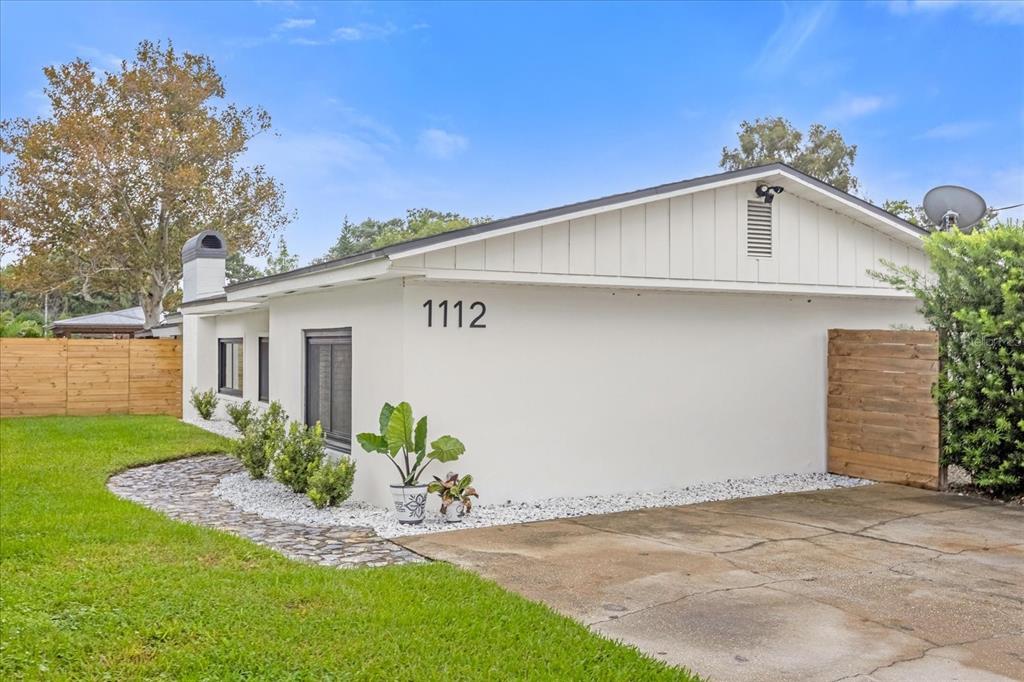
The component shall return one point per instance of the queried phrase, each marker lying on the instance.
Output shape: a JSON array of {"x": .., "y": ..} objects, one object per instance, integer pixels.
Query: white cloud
[
  {"x": 365, "y": 31},
  {"x": 290, "y": 24},
  {"x": 330, "y": 174},
  {"x": 910, "y": 6},
  {"x": 1007, "y": 189},
  {"x": 955, "y": 131},
  {"x": 320, "y": 153},
  {"x": 39, "y": 102},
  {"x": 854, "y": 106},
  {"x": 97, "y": 57},
  {"x": 985, "y": 11},
  {"x": 353, "y": 34},
  {"x": 797, "y": 25},
  {"x": 381, "y": 133},
  {"x": 441, "y": 144},
  {"x": 348, "y": 33}
]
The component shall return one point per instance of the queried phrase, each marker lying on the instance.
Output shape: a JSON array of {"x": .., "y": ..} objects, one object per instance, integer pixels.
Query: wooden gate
[
  {"x": 883, "y": 423},
  {"x": 90, "y": 376}
]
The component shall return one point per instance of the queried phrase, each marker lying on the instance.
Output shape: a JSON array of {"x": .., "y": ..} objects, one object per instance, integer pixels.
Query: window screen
[
  {"x": 329, "y": 384},
  {"x": 264, "y": 369},
  {"x": 229, "y": 366}
]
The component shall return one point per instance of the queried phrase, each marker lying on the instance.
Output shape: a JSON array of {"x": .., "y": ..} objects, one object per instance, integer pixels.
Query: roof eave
[
  {"x": 415, "y": 247},
  {"x": 346, "y": 274}
]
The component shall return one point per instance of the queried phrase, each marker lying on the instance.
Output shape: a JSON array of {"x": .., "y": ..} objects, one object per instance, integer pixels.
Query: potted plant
[
  {"x": 404, "y": 441},
  {"x": 456, "y": 496}
]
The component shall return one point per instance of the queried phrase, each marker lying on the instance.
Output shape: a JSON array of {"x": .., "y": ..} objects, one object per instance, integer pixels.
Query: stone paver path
[{"x": 183, "y": 490}]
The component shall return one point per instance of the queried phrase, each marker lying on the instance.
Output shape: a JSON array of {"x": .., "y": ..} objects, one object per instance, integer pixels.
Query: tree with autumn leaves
[{"x": 102, "y": 194}]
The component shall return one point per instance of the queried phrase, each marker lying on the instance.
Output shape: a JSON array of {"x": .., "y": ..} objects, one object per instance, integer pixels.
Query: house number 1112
[{"x": 476, "y": 307}]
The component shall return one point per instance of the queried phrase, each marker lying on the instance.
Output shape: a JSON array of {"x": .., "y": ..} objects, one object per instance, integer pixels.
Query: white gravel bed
[
  {"x": 221, "y": 427},
  {"x": 270, "y": 499}
]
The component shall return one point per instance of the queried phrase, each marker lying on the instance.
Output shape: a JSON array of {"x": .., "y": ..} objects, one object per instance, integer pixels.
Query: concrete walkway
[{"x": 880, "y": 582}]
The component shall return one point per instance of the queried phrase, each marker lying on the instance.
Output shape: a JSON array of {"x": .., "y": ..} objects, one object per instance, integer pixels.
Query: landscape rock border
[{"x": 269, "y": 499}]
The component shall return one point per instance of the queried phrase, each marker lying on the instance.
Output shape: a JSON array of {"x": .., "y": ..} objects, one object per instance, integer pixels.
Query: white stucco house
[{"x": 644, "y": 340}]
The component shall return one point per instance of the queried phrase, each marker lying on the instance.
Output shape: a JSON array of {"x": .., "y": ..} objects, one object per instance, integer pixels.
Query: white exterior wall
[
  {"x": 699, "y": 236},
  {"x": 374, "y": 312},
  {"x": 199, "y": 360},
  {"x": 572, "y": 391},
  {"x": 202, "y": 277},
  {"x": 567, "y": 390},
  {"x": 249, "y": 327}
]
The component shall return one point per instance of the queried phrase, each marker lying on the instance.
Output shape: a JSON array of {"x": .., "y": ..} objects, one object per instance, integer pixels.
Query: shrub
[
  {"x": 976, "y": 301},
  {"x": 262, "y": 441},
  {"x": 301, "y": 454},
  {"x": 24, "y": 325},
  {"x": 205, "y": 402},
  {"x": 331, "y": 482},
  {"x": 241, "y": 414}
]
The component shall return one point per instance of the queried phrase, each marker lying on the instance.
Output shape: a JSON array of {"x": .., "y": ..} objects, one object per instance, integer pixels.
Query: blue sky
[{"x": 496, "y": 109}]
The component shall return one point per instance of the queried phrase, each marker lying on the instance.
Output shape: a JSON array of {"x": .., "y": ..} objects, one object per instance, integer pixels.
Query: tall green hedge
[{"x": 974, "y": 296}]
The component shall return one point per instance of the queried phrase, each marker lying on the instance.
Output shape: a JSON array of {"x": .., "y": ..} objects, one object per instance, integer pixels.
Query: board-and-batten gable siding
[{"x": 699, "y": 236}]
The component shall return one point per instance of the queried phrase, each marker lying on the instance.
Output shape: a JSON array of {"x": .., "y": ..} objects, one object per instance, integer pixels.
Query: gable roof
[
  {"x": 727, "y": 177},
  {"x": 129, "y": 318}
]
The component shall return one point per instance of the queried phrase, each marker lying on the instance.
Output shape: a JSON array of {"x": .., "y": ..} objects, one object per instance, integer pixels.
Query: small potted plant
[
  {"x": 404, "y": 441},
  {"x": 456, "y": 496}
]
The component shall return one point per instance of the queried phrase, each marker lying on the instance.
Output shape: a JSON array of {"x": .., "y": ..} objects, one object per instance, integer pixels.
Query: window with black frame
[
  {"x": 264, "y": 395},
  {"x": 329, "y": 384},
  {"x": 229, "y": 366}
]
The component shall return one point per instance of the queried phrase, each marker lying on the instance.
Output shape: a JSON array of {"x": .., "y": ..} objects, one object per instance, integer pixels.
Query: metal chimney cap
[{"x": 206, "y": 244}]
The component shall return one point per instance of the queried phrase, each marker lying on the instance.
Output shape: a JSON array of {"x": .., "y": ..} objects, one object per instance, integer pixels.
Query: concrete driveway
[{"x": 881, "y": 582}]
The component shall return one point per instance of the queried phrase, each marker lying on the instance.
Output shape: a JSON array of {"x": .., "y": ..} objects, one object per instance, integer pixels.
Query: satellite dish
[{"x": 949, "y": 205}]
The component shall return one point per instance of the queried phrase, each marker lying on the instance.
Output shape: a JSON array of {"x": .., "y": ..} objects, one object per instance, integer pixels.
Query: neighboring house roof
[
  {"x": 439, "y": 240},
  {"x": 129, "y": 318}
]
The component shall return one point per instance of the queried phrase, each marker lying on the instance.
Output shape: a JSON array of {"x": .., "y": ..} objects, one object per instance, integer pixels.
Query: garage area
[{"x": 879, "y": 582}]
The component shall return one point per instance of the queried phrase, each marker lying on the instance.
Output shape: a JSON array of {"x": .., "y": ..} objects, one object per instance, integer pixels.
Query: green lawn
[{"x": 92, "y": 586}]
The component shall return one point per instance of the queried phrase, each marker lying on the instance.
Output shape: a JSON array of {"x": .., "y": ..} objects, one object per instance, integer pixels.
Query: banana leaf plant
[{"x": 404, "y": 441}]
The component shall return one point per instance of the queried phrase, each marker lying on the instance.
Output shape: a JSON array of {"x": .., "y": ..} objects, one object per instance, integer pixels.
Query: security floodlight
[{"x": 768, "y": 192}]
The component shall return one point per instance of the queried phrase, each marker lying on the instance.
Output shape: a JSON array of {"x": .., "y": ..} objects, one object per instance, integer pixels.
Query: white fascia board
[
  {"x": 164, "y": 332},
  {"x": 902, "y": 231},
  {"x": 587, "y": 212},
  {"x": 219, "y": 307},
  {"x": 646, "y": 283},
  {"x": 342, "y": 275}
]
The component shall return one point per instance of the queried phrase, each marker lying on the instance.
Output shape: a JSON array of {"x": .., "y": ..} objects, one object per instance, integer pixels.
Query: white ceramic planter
[
  {"x": 410, "y": 502},
  {"x": 455, "y": 512}
]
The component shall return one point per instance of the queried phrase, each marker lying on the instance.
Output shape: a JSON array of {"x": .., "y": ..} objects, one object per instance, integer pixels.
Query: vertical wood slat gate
[
  {"x": 90, "y": 376},
  {"x": 883, "y": 423}
]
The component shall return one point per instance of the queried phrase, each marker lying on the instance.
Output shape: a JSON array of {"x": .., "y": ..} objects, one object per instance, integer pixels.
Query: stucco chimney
[{"x": 202, "y": 262}]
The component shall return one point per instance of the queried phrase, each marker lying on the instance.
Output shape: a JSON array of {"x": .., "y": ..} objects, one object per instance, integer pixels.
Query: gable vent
[{"x": 759, "y": 229}]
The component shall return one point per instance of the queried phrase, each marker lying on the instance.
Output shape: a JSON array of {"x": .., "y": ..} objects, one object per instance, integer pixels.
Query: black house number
[{"x": 477, "y": 309}]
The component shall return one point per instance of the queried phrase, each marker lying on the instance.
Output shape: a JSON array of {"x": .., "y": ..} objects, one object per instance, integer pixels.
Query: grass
[{"x": 92, "y": 586}]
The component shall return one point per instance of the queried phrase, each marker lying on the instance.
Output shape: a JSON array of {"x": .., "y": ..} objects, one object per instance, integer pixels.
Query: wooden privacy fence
[
  {"x": 90, "y": 376},
  {"x": 883, "y": 423}
]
